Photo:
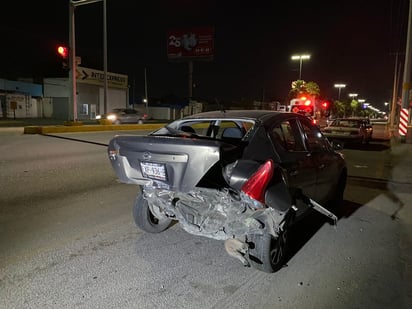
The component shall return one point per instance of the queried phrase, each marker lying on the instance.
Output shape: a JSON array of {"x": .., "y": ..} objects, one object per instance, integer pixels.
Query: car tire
[
  {"x": 267, "y": 253},
  {"x": 145, "y": 219}
]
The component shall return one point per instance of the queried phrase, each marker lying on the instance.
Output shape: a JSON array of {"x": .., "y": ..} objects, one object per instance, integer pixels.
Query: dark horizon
[{"x": 352, "y": 42}]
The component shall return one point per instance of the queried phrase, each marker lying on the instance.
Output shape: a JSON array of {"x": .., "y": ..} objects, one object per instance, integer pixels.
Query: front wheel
[
  {"x": 268, "y": 253},
  {"x": 146, "y": 220}
]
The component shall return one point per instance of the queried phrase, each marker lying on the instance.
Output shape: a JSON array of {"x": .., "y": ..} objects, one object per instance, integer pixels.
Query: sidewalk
[
  {"x": 401, "y": 162},
  {"x": 49, "y": 125}
]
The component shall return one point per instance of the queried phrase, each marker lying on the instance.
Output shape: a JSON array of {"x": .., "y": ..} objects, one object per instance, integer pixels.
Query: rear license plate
[{"x": 153, "y": 170}]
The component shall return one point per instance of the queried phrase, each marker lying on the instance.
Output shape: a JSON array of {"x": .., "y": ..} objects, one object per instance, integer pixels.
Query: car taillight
[{"x": 255, "y": 186}]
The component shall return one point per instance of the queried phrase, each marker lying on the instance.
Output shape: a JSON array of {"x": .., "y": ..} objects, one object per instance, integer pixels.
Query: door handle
[
  {"x": 293, "y": 173},
  {"x": 321, "y": 167}
]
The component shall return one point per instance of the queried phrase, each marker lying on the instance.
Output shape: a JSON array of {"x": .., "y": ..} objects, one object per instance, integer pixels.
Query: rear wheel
[
  {"x": 268, "y": 253},
  {"x": 146, "y": 220}
]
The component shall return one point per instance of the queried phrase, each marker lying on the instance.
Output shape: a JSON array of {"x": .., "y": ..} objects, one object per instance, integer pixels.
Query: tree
[
  {"x": 355, "y": 106},
  {"x": 313, "y": 89},
  {"x": 301, "y": 87},
  {"x": 338, "y": 108}
]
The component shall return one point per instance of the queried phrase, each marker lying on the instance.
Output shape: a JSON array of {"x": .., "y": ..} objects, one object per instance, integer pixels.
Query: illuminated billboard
[{"x": 190, "y": 43}]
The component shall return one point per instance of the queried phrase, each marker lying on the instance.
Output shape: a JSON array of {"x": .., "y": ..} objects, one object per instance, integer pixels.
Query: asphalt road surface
[{"x": 68, "y": 240}]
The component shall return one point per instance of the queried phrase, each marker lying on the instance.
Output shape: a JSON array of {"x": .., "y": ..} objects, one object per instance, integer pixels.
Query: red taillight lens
[{"x": 255, "y": 186}]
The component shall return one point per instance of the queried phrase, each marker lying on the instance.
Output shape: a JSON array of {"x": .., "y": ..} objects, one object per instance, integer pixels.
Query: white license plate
[{"x": 153, "y": 170}]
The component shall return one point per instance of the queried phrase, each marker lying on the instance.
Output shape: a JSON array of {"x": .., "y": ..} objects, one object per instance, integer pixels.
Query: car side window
[
  {"x": 314, "y": 139},
  {"x": 286, "y": 135}
]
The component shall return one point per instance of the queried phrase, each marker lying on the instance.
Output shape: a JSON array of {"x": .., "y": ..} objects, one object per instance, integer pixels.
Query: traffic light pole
[
  {"x": 72, "y": 64},
  {"x": 407, "y": 68}
]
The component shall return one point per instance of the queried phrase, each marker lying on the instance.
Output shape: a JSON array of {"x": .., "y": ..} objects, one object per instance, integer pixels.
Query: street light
[
  {"x": 300, "y": 58},
  {"x": 353, "y": 95},
  {"x": 339, "y": 86},
  {"x": 72, "y": 45}
]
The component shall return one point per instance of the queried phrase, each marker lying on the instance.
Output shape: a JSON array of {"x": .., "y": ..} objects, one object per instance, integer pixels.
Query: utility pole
[
  {"x": 407, "y": 68},
  {"x": 191, "y": 79},
  {"x": 72, "y": 63},
  {"x": 394, "y": 94},
  {"x": 105, "y": 55},
  {"x": 72, "y": 45}
]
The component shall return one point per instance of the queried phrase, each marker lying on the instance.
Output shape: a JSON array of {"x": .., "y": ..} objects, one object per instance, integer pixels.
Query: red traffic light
[{"x": 63, "y": 51}]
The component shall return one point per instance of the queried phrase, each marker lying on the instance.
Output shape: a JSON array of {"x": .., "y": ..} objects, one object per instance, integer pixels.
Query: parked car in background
[
  {"x": 239, "y": 176},
  {"x": 349, "y": 130},
  {"x": 123, "y": 115}
]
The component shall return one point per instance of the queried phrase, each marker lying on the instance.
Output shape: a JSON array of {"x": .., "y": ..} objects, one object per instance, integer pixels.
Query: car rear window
[{"x": 346, "y": 123}]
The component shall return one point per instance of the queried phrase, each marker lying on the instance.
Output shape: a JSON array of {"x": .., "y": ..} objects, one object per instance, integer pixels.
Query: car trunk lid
[{"x": 177, "y": 163}]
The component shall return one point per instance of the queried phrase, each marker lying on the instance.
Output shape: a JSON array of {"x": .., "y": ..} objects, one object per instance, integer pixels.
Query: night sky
[{"x": 351, "y": 41}]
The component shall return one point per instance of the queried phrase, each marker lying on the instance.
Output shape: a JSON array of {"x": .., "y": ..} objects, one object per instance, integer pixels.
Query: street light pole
[
  {"x": 105, "y": 55},
  {"x": 72, "y": 43},
  {"x": 72, "y": 63},
  {"x": 300, "y": 58},
  {"x": 339, "y": 86},
  {"x": 407, "y": 75},
  {"x": 353, "y": 95}
]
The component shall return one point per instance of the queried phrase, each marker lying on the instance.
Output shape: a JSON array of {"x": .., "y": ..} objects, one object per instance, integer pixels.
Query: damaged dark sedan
[{"x": 242, "y": 176}]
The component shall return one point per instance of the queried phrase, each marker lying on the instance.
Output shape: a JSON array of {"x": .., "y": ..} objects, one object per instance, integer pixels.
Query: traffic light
[
  {"x": 63, "y": 52},
  {"x": 325, "y": 105}
]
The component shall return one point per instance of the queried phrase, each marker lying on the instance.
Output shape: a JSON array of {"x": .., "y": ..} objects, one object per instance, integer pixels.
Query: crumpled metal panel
[{"x": 213, "y": 213}]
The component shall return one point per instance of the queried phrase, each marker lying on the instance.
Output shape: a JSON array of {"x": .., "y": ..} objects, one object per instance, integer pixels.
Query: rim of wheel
[{"x": 152, "y": 218}]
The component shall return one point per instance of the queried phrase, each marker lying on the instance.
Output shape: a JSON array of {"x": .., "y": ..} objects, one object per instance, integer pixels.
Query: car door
[
  {"x": 130, "y": 116},
  {"x": 325, "y": 160},
  {"x": 295, "y": 159}
]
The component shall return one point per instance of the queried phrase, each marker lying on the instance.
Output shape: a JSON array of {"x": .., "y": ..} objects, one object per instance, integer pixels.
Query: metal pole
[
  {"x": 105, "y": 55},
  {"x": 190, "y": 79},
  {"x": 407, "y": 67},
  {"x": 72, "y": 62},
  {"x": 145, "y": 92},
  {"x": 72, "y": 44},
  {"x": 394, "y": 96},
  {"x": 300, "y": 68}
]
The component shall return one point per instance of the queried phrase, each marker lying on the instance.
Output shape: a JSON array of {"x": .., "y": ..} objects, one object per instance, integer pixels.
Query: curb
[{"x": 89, "y": 128}]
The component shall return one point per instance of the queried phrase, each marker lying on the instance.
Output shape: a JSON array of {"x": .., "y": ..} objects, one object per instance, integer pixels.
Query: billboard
[{"x": 190, "y": 43}]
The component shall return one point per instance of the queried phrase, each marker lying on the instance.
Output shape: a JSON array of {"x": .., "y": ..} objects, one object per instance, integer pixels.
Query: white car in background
[{"x": 123, "y": 115}]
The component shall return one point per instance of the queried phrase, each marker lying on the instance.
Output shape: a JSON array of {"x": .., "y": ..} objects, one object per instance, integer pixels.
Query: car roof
[
  {"x": 351, "y": 118},
  {"x": 245, "y": 114},
  {"x": 119, "y": 109}
]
